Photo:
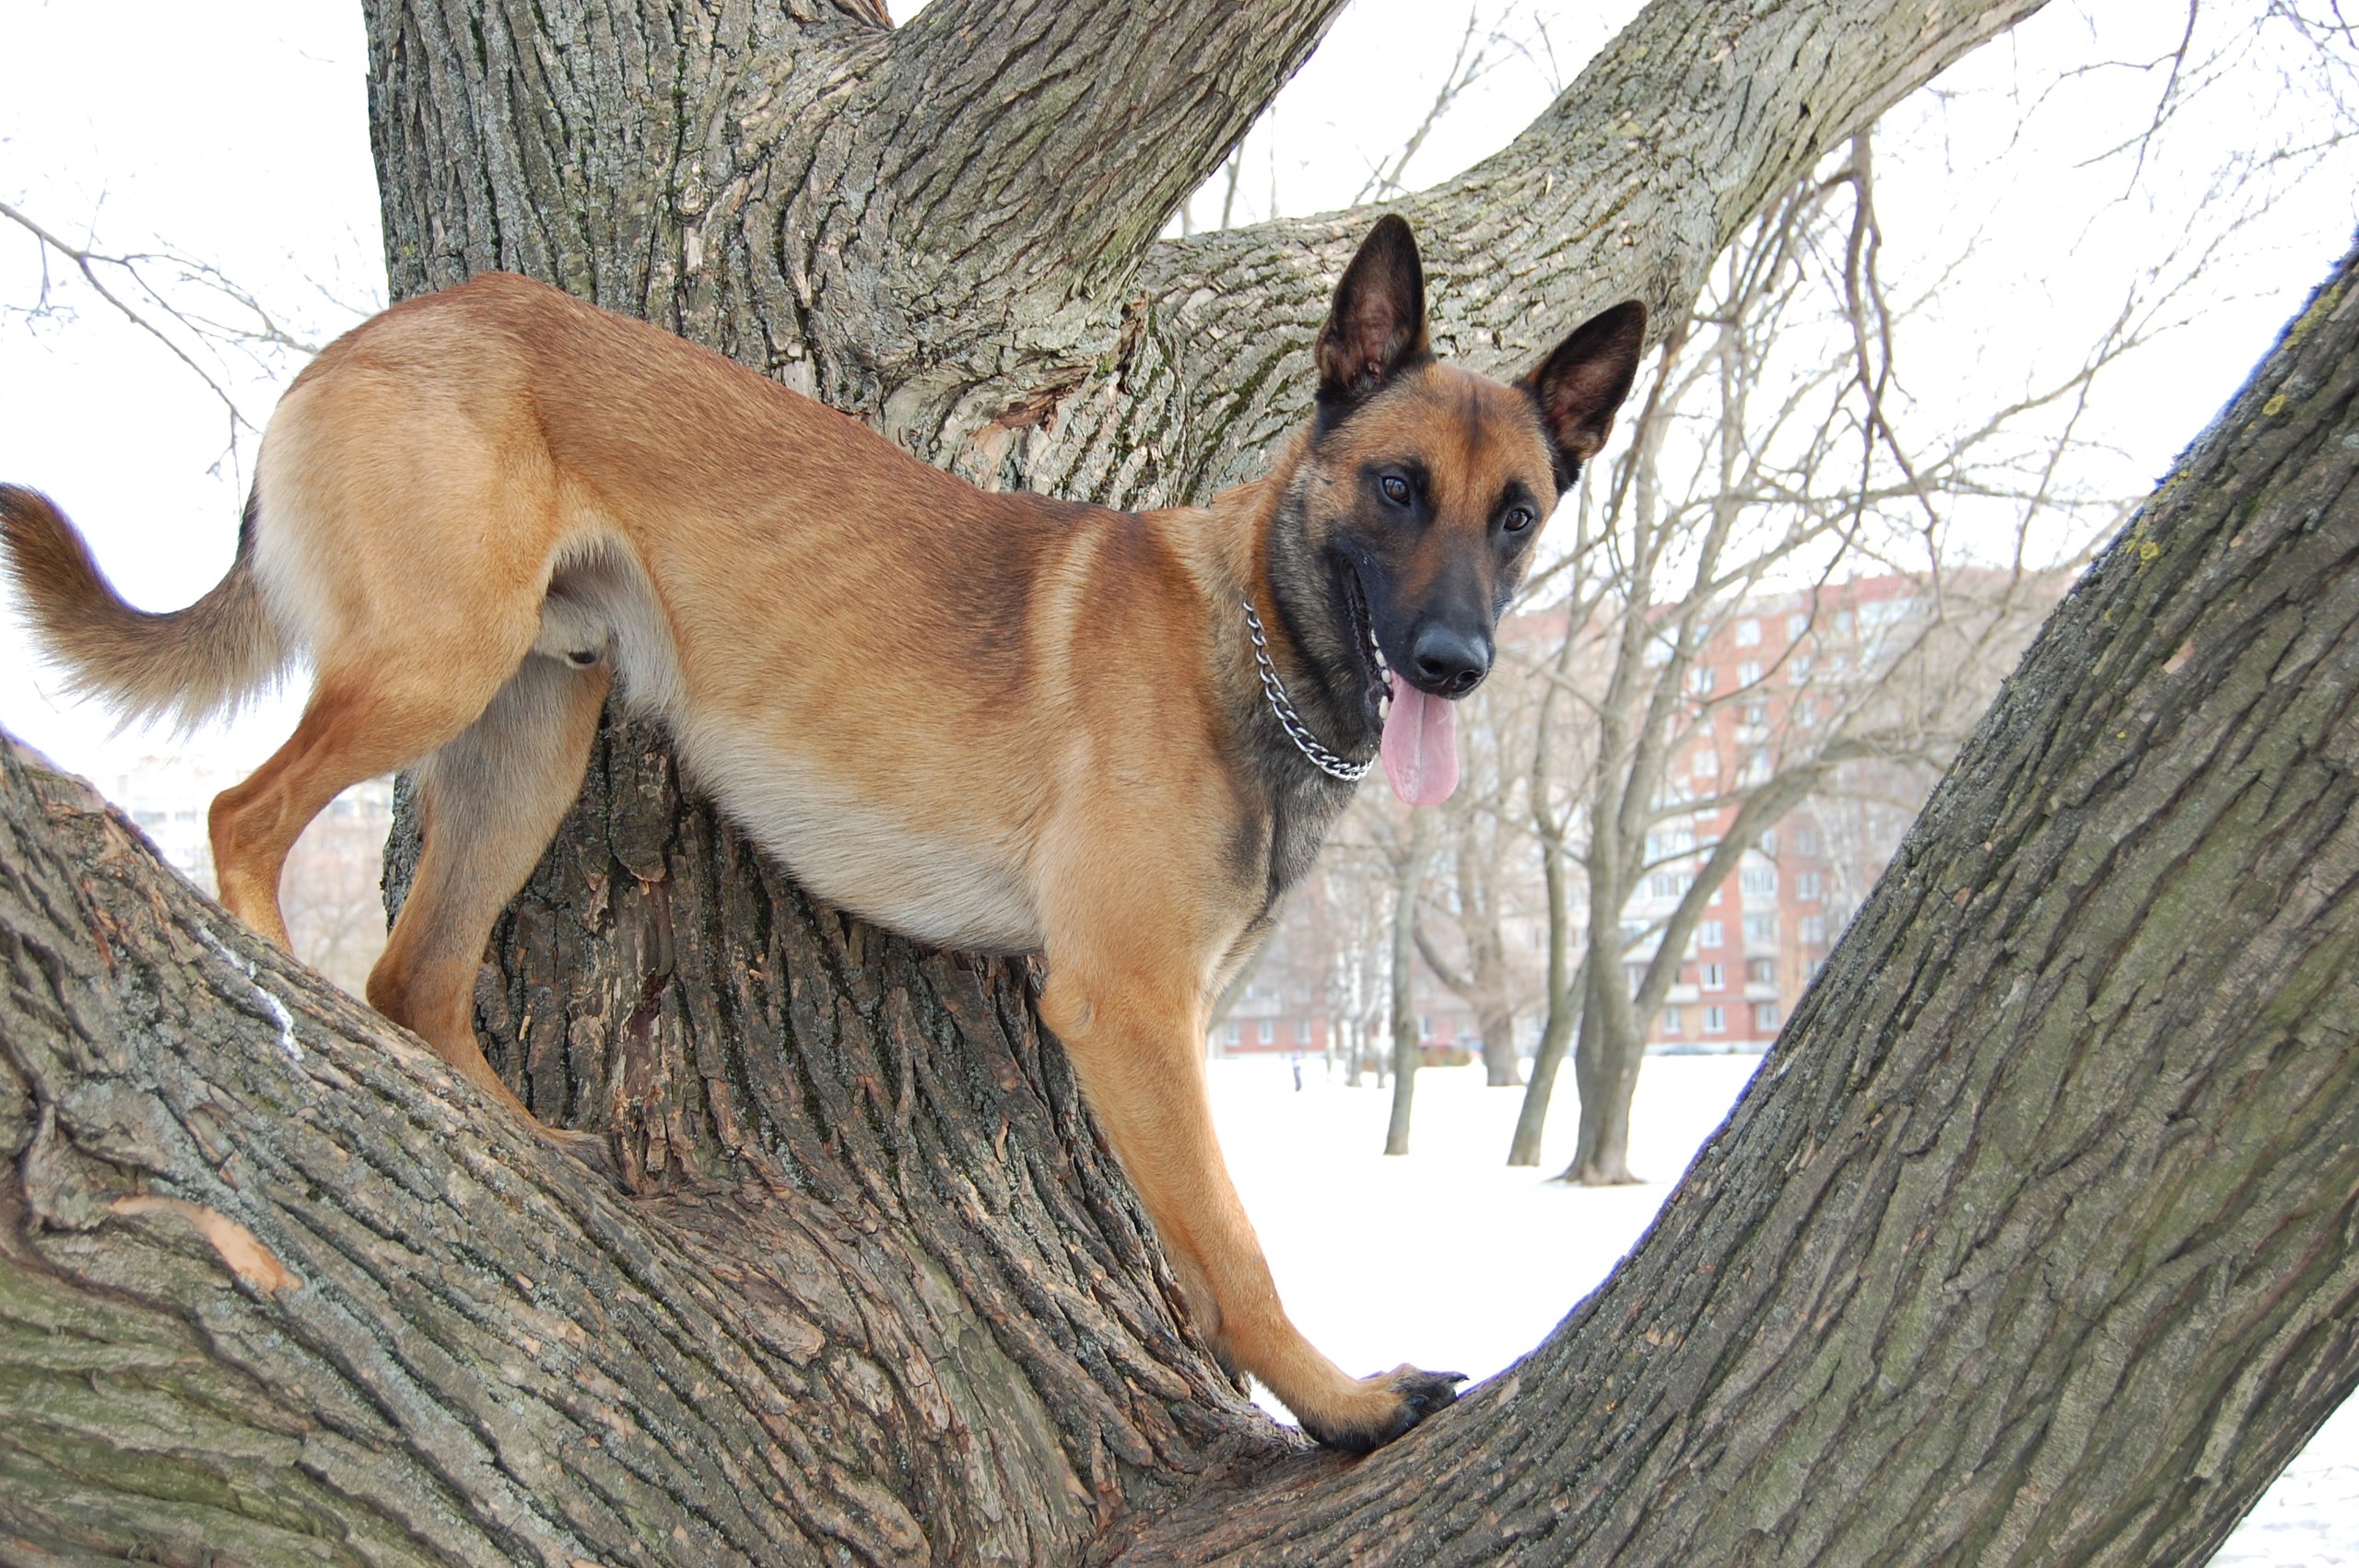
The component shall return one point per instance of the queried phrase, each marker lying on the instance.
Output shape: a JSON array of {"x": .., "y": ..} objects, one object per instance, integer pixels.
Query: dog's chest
[{"x": 945, "y": 884}]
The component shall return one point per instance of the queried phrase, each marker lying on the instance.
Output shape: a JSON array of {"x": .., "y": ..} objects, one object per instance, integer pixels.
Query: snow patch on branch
[{"x": 271, "y": 1004}]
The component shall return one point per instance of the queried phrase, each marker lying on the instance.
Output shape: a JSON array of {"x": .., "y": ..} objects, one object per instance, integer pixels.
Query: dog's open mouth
[{"x": 1420, "y": 745}]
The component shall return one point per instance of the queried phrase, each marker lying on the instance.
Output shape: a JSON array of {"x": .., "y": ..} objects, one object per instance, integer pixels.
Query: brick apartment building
[{"x": 1769, "y": 925}]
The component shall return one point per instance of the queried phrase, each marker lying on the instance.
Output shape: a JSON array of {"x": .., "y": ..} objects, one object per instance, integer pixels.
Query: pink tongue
[{"x": 1421, "y": 747}]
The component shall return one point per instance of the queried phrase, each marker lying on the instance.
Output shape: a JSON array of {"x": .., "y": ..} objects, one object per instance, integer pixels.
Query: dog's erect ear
[
  {"x": 1581, "y": 385},
  {"x": 1378, "y": 323}
]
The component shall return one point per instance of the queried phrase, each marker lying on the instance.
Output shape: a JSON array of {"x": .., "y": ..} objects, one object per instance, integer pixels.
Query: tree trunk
[
  {"x": 1502, "y": 1069},
  {"x": 1605, "y": 1071},
  {"x": 1406, "y": 1036},
  {"x": 1567, "y": 982},
  {"x": 278, "y": 1288}
]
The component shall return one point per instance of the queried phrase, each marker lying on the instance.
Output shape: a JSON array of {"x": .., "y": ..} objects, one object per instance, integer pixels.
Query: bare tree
[
  {"x": 196, "y": 314},
  {"x": 1765, "y": 459}
]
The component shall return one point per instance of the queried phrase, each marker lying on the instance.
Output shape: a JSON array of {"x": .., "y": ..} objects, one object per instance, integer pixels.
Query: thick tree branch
[
  {"x": 269, "y": 1273},
  {"x": 1638, "y": 175},
  {"x": 1086, "y": 125}
]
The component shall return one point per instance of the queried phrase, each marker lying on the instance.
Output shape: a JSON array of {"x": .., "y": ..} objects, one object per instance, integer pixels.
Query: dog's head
[{"x": 1426, "y": 488}]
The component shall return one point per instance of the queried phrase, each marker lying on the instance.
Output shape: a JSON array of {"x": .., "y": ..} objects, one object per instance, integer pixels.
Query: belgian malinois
[{"x": 992, "y": 721}]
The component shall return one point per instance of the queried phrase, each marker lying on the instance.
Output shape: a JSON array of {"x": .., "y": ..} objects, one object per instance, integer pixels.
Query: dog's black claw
[
  {"x": 1427, "y": 1392},
  {"x": 1421, "y": 1394}
]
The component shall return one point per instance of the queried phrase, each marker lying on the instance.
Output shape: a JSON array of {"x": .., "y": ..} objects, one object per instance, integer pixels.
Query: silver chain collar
[{"x": 1326, "y": 762}]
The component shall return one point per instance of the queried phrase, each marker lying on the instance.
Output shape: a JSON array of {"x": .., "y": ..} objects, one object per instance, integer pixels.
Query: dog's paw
[{"x": 1399, "y": 1399}]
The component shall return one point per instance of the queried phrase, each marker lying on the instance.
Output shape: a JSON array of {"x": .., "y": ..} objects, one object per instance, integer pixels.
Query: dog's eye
[
  {"x": 1396, "y": 489},
  {"x": 1516, "y": 521}
]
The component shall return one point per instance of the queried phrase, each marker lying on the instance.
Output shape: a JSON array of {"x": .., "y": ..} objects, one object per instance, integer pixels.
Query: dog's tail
[{"x": 186, "y": 664}]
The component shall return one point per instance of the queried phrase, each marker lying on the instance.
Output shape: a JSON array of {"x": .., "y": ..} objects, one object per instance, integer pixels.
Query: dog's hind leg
[
  {"x": 489, "y": 801},
  {"x": 351, "y": 730}
]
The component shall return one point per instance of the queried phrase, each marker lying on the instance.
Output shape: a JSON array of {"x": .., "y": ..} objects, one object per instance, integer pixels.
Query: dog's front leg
[{"x": 1136, "y": 1040}]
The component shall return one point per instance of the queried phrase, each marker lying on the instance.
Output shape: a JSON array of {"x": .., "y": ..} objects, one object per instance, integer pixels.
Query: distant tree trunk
[
  {"x": 1406, "y": 875},
  {"x": 1483, "y": 983},
  {"x": 1502, "y": 1069},
  {"x": 1568, "y": 981}
]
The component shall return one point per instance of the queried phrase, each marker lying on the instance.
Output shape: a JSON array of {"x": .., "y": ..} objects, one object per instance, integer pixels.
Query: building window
[
  {"x": 1749, "y": 673},
  {"x": 1814, "y": 929},
  {"x": 1701, "y": 680},
  {"x": 1269, "y": 1031},
  {"x": 1757, "y": 712},
  {"x": 1761, "y": 930},
  {"x": 1806, "y": 884},
  {"x": 1756, "y": 767},
  {"x": 1796, "y": 624},
  {"x": 1806, "y": 841},
  {"x": 1715, "y": 1021},
  {"x": 1798, "y": 668},
  {"x": 1302, "y": 1031},
  {"x": 1708, "y": 763},
  {"x": 1765, "y": 1016},
  {"x": 1232, "y": 1033},
  {"x": 1425, "y": 1027},
  {"x": 1638, "y": 973},
  {"x": 1670, "y": 1024},
  {"x": 1714, "y": 976},
  {"x": 1708, "y": 935},
  {"x": 1761, "y": 971},
  {"x": 1668, "y": 884},
  {"x": 1748, "y": 632},
  {"x": 1758, "y": 879}
]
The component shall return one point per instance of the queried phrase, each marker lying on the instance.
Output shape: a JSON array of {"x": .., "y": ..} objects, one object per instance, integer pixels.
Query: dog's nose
[{"x": 1450, "y": 661}]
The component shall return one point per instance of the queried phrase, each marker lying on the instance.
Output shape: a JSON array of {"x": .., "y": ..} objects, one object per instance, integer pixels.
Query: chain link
[{"x": 1326, "y": 762}]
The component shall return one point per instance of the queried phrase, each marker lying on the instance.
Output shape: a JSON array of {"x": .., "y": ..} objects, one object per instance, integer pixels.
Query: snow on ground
[{"x": 1448, "y": 1260}]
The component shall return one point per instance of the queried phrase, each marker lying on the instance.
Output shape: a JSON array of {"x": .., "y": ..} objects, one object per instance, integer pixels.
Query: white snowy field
[{"x": 1517, "y": 1250}]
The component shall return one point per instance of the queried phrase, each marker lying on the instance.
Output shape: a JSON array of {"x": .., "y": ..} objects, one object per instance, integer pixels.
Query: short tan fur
[{"x": 996, "y": 721}]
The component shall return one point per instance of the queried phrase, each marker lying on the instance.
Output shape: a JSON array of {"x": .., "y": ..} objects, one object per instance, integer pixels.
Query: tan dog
[{"x": 990, "y": 721}]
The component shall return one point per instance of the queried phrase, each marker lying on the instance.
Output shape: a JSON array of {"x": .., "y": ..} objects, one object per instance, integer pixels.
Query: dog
[{"x": 992, "y": 721}]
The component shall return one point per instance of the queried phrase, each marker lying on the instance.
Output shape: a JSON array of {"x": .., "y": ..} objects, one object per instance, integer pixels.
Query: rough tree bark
[{"x": 2033, "y": 1247}]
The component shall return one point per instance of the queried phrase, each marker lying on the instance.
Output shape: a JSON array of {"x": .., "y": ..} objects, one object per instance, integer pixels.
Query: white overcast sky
[{"x": 238, "y": 134}]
